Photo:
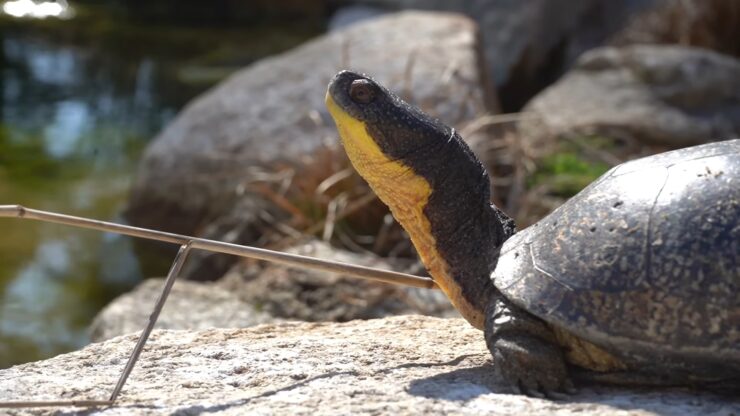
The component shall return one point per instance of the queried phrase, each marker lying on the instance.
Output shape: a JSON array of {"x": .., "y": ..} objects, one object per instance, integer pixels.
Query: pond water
[{"x": 79, "y": 100}]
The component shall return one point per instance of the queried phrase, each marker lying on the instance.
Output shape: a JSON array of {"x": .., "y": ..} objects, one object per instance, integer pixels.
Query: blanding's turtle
[{"x": 633, "y": 280}]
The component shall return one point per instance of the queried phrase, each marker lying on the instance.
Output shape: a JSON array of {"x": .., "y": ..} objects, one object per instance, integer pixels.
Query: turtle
[{"x": 633, "y": 280}]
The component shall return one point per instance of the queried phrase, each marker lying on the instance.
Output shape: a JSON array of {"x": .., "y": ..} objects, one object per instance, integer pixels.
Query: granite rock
[
  {"x": 669, "y": 95},
  {"x": 406, "y": 365}
]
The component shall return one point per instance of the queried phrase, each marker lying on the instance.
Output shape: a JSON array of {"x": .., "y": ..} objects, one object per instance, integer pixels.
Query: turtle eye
[{"x": 362, "y": 91}]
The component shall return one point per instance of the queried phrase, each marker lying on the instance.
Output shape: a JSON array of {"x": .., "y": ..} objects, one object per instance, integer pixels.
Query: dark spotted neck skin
[
  {"x": 468, "y": 230},
  {"x": 434, "y": 185}
]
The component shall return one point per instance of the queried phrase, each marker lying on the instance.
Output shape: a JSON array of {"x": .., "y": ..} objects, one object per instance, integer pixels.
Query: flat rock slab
[{"x": 399, "y": 365}]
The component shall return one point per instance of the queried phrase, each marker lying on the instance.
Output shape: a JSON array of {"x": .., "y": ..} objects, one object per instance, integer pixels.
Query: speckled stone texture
[{"x": 402, "y": 365}]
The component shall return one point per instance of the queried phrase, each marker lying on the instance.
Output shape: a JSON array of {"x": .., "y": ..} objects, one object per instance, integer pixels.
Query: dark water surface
[{"x": 79, "y": 101}]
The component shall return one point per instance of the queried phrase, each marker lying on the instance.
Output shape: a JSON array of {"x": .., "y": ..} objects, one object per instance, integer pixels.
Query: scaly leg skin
[{"x": 525, "y": 351}]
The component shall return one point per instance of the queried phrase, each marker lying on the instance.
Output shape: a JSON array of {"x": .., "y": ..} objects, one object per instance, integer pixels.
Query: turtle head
[
  {"x": 432, "y": 182},
  {"x": 372, "y": 119}
]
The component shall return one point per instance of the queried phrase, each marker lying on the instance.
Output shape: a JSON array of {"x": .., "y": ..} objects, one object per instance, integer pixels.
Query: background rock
[
  {"x": 250, "y": 295},
  {"x": 671, "y": 95},
  {"x": 271, "y": 115},
  {"x": 310, "y": 295},
  {"x": 528, "y": 44},
  {"x": 710, "y": 24},
  {"x": 396, "y": 366},
  {"x": 190, "y": 305}
]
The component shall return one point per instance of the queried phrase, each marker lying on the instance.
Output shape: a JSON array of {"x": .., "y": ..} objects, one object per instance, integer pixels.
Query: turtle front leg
[{"x": 525, "y": 350}]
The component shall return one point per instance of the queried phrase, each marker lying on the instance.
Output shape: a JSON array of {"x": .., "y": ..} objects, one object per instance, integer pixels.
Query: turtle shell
[{"x": 644, "y": 262}]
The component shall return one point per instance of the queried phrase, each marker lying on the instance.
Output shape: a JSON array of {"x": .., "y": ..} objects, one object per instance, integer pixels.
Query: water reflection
[
  {"x": 46, "y": 64},
  {"x": 74, "y": 119},
  {"x": 68, "y": 94},
  {"x": 38, "y": 10},
  {"x": 29, "y": 301},
  {"x": 72, "y": 128},
  {"x": 76, "y": 109},
  {"x": 71, "y": 120}
]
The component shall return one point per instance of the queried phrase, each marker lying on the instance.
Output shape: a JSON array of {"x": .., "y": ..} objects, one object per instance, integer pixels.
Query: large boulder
[
  {"x": 529, "y": 44},
  {"x": 206, "y": 173},
  {"x": 670, "y": 95},
  {"x": 406, "y": 365},
  {"x": 272, "y": 113}
]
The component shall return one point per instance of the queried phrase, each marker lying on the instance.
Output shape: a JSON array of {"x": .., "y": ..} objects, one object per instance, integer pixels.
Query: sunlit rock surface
[{"x": 395, "y": 366}]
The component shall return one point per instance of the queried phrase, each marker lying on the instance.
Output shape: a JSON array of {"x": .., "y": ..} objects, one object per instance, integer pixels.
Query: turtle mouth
[{"x": 362, "y": 148}]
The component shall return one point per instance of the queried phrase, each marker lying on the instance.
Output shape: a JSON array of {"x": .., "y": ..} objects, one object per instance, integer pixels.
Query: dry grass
[{"x": 324, "y": 197}]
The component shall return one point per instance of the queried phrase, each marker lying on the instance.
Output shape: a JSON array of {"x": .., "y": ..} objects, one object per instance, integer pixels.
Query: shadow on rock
[
  {"x": 459, "y": 385},
  {"x": 198, "y": 409},
  {"x": 658, "y": 400},
  {"x": 469, "y": 383}
]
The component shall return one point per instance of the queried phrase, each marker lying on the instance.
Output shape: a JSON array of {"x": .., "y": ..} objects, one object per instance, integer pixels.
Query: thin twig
[
  {"x": 18, "y": 211},
  {"x": 495, "y": 119},
  {"x": 333, "y": 180},
  {"x": 335, "y": 205}
]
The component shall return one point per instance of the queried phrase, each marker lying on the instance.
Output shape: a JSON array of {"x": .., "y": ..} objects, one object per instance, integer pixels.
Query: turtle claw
[
  {"x": 532, "y": 366},
  {"x": 522, "y": 387},
  {"x": 559, "y": 395}
]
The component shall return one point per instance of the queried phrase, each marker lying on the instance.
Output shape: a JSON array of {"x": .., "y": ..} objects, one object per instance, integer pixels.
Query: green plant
[{"x": 566, "y": 173}]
